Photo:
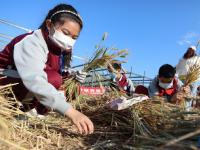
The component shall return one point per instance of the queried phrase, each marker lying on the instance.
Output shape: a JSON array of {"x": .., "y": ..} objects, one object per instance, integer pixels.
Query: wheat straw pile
[
  {"x": 30, "y": 133},
  {"x": 151, "y": 124},
  {"x": 146, "y": 125}
]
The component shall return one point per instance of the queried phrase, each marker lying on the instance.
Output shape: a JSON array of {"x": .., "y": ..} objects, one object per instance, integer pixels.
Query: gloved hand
[
  {"x": 69, "y": 71},
  {"x": 80, "y": 76}
]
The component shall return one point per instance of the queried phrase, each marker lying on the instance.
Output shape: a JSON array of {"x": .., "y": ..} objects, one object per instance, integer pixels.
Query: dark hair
[
  {"x": 189, "y": 53},
  {"x": 117, "y": 65},
  {"x": 167, "y": 71},
  {"x": 58, "y": 17},
  {"x": 198, "y": 88}
]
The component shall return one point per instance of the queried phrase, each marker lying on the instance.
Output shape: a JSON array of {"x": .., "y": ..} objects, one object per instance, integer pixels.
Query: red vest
[
  {"x": 168, "y": 92},
  {"x": 6, "y": 55},
  {"x": 123, "y": 83},
  {"x": 7, "y": 60}
]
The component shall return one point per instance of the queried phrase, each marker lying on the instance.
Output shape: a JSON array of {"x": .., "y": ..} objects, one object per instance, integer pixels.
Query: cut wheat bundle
[
  {"x": 102, "y": 57},
  {"x": 193, "y": 74}
]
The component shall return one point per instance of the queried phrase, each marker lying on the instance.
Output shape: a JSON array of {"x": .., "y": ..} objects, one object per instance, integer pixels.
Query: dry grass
[
  {"x": 145, "y": 125},
  {"x": 8, "y": 109},
  {"x": 27, "y": 134}
]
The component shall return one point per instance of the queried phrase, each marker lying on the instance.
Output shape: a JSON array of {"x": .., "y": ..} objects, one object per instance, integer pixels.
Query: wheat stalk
[
  {"x": 101, "y": 59},
  {"x": 193, "y": 74}
]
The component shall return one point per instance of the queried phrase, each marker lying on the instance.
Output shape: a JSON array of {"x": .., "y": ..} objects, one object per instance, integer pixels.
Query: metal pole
[
  {"x": 143, "y": 78},
  {"x": 197, "y": 44},
  {"x": 130, "y": 72},
  {"x": 6, "y": 36},
  {"x": 2, "y": 41},
  {"x": 80, "y": 58},
  {"x": 14, "y": 25}
]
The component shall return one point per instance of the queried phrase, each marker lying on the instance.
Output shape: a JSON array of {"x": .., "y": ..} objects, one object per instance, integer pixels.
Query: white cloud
[{"x": 189, "y": 38}]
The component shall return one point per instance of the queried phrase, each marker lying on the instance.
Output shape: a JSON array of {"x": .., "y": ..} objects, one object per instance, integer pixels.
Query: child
[
  {"x": 34, "y": 61},
  {"x": 167, "y": 85},
  {"x": 122, "y": 82}
]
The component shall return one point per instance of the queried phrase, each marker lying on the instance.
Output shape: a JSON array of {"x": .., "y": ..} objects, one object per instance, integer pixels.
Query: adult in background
[{"x": 189, "y": 59}]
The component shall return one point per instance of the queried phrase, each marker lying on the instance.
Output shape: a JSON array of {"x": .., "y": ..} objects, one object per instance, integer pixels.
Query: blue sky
[{"x": 154, "y": 31}]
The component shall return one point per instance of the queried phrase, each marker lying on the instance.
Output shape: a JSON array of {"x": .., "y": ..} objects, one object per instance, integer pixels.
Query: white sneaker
[{"x": 33, "y": 113}]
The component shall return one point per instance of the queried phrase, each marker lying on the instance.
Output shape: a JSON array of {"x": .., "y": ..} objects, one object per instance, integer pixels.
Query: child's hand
[
  {"x": 82, "y": 122},
  {"x": 186, "y": 89},
  {"x": 178, "y": 98}
]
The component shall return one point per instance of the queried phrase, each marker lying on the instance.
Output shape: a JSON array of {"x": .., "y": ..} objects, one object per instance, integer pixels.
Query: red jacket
[
  {"x": 126, "y": 84},
  {"x": 123, "y": 81}
]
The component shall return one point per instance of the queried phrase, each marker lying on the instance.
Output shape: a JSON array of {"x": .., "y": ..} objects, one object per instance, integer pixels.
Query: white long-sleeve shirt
[
  {"x": 183, "y": 66},
  {"x": 30, "y": 56}
]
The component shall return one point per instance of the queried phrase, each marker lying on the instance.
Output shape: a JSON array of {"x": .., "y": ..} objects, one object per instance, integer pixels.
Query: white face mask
[
  {"x": 165, "y": 85},
  {"x": 63, "y": 41}
]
